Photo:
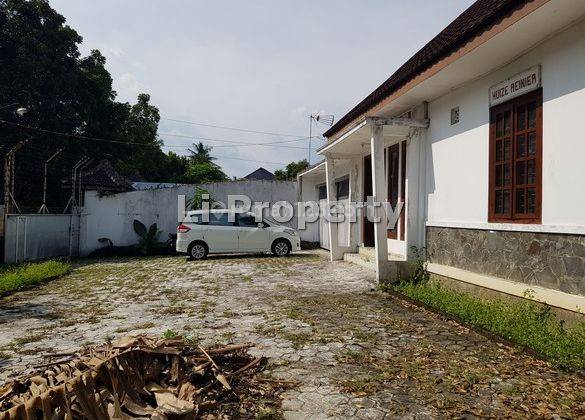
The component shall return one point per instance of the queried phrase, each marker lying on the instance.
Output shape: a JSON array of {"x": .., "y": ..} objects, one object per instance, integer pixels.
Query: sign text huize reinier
[{"x": 515, "y": 86}]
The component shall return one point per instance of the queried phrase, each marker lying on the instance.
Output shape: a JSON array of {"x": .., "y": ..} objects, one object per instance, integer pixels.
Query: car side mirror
[{"x": 260, "y": 224}]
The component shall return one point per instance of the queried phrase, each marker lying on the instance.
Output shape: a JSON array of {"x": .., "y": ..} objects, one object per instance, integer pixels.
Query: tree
[
  {"x": 146, "y": 159},
  {"x": 201, "y": 173},
  {"x": 176, "y": 167},
  {"x": 291, "y": 170},
  {"x": 42, "y": 69},
  {"x": 201, "y": 154}
]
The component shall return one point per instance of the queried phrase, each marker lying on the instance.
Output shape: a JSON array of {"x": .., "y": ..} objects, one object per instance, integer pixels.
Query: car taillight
[{"x": 183, "y": 229}]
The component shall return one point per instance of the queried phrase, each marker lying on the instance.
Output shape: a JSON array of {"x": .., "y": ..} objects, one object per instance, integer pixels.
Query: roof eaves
[{"x": 476, "y": 19}]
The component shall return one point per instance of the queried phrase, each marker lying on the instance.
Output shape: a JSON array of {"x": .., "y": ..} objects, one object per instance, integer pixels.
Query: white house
[{"x": 479, "y": 135}]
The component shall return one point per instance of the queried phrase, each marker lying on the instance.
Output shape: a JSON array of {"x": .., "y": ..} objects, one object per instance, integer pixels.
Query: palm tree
[{"x": 201, "y": 154}]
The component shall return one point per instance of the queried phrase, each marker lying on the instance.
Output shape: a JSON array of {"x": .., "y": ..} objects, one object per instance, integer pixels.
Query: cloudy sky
[{"x": 259, "y": 65}]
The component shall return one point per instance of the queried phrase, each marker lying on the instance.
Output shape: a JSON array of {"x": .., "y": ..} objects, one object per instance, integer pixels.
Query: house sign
[{"x": 517, "y": 85}]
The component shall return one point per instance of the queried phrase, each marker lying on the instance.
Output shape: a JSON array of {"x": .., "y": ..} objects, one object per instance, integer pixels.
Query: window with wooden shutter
[{"x": 515, "y": 185}]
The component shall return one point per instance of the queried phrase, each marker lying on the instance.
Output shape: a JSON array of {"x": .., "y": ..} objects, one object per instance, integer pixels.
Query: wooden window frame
[{"x": 513, "y": 106}]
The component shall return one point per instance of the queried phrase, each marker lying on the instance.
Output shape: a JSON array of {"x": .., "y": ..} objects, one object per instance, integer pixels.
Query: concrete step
[
  {"x": 368, "y": 252},
  {"x": 360, "y": 259}
]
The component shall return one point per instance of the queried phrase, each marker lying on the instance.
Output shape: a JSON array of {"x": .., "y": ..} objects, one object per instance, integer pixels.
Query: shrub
[{"x": 25, "y": 276}]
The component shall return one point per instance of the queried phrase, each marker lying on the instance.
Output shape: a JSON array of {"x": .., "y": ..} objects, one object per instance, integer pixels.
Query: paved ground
[{"x": 352, "y": 351}]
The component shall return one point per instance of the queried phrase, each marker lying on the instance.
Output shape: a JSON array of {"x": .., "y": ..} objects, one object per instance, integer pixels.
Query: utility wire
[
  {"x": 80, "y": 137},
  {"x": 230, "y": 128},
  {"x": 243, "y": 143}
]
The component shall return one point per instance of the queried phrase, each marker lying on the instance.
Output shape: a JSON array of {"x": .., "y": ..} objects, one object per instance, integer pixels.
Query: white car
[{"x": 198, "y": 237}]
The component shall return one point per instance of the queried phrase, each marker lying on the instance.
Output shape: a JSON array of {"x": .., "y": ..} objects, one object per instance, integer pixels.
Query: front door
[
  {"x": 393, "y": 182},
  {"x": 251, "y": 238},
  {"x": 368, "y": 191}
]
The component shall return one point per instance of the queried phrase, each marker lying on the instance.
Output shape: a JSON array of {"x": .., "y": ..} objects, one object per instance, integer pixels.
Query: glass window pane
[
  {"x": 531, "y": 200},
  {"x": 507, "y": 127},
  {"x": 342, "y": 189},
  {"x": 499, "y": 150},
  {"x": 521, "y": 145},
  {"x": 532, "y": 144},
  {"x": 531, "y": 171},
  {"x": 520, "y": 208},
  {"x": 507, "y": 149},
  {"x": 521, "y": 173},
  {"x": 521, "y": 118},
  {"x": 532, "y": 115},
  {"x": 506, "y": 200},
  {"x": 507, "y": 175},
  {"x": 247, "y": 220},
  {"x": 219, "y": 219},
  {"x": 499, "y": 125},
  {"x": 499, "y": 169},
  {"x": 499, "y": 204}
]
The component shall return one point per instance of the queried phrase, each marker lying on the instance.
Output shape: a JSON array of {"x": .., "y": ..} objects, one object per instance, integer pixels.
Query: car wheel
[
  {"x": 281, "y": 248},
  {"x": 198, "y": 251}
]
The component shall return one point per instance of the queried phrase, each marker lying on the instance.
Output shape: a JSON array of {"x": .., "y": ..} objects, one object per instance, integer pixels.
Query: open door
[{"x": 368, "y": 226}]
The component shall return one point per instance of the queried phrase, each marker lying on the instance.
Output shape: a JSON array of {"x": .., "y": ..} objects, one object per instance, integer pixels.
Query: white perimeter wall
[
  {"x": 457, "y": 167},
  {"x": 113, "y": 216}
]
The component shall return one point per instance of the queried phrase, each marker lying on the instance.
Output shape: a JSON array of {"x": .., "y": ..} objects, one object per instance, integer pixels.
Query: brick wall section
[{"x": 554, "y": 261}]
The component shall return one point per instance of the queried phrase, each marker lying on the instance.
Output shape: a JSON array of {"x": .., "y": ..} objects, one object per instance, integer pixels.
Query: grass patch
[
  {"x": 524, "y": 323},
  {"x": 25, "y": 276}
]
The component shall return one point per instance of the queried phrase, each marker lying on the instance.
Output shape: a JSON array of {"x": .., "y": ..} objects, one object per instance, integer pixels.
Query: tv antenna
[{"x": 326, "y": 120}]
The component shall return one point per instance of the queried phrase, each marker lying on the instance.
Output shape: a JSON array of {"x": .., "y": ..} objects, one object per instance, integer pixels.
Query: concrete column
[
  {"x": 415, "y": 173},
  {"x": 380, "y": 195},
  {"x": 335, "y": 252},
  {"x": 352, "y": 212}
]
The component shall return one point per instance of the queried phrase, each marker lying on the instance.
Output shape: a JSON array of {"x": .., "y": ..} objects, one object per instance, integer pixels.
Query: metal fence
[{"x": 30, "y": 237}]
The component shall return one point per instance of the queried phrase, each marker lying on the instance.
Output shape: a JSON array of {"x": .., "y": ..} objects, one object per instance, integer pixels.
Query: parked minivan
[{"x": 239, "y": 234}]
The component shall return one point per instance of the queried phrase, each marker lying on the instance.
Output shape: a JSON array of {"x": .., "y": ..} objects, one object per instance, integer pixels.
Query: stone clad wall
[{"x": 554, "y": 261}]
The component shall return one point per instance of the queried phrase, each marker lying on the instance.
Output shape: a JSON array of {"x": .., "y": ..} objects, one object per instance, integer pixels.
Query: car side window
[
  {"x": 219, "y": 219},
  {"x": 247, "y": 221}
]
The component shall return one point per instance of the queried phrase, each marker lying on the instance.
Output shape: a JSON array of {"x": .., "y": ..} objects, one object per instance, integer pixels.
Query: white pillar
[
  {"x": 380, "y": 196},
  {"x": 354, "y": 192},
  {"x": 334, "y": 251},
  {"x": 415, "y": 174}
]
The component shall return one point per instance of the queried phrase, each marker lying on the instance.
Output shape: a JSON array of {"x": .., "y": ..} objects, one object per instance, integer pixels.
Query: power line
[
  {"x": 96, "y": 139},
  {"x": 230, "y": 128},
  {"x": 79, "y": 137},
  {"x": 234, "y": 143}
]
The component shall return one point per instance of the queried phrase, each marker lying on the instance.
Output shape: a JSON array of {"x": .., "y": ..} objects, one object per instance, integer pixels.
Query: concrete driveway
[{"x": 347, "y": 350}]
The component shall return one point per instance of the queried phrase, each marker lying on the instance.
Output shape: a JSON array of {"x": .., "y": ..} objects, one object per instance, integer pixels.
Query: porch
[{"x": 381, "y": 160}]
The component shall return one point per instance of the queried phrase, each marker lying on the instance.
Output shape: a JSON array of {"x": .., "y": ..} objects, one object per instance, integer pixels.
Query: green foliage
[
  {"x": 201, "y": 153},
  {"x": 148, "y": 237},
  {"x": 196, "y": 202},
  {"x": 291, "y": 170},
  {"x": 419, "y": 266},
  {"x": 201, "y": 173},
  {"x": 168, "y": 334},
  {"x": 524, "y": 323},
  {"x": 25, "y": 276},
  {"x": 43, "y": 70}
]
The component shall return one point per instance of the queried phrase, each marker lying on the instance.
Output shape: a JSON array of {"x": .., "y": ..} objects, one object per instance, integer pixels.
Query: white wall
[
  {"x": 308, "y": 188},
  {"x": 113, "y": 216},
  {"x": 457, "y": 156}
]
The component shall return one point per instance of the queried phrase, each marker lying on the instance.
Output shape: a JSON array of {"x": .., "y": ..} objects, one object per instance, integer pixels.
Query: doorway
[{"x": 368, "y": 227}]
